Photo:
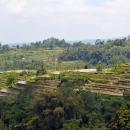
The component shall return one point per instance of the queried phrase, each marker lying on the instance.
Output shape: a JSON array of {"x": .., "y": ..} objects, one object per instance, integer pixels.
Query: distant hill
[
  {"x": 92, "y": 41},
  {"x": 102, "y": 52}
]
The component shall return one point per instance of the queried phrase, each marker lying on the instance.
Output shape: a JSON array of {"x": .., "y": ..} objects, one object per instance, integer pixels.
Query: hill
[
  {"x": 107, "y": 53},
  {"x": 57, "y": 54},
  {"x": 64, "y": 101}
]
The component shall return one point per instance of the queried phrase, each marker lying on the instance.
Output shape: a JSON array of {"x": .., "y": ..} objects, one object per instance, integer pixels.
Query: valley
[{"x": 46, "y": 86}]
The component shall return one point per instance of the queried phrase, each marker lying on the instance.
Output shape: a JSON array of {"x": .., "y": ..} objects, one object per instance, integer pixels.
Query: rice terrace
[{"x": 64, "y": 65}]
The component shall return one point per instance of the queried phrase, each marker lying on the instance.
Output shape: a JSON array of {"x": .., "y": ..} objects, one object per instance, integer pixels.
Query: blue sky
[{"x": 32, "y": 20}]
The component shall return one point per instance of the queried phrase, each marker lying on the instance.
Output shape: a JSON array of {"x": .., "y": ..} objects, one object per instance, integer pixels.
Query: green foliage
[
  {"x": 126, "y": 95},
  {"x": 41, "y": 70},
  {"x": 107, "y": 53},
  {"x": 50, "y": 43},
  {"x": 72, "y": 83},
  {"x": 71, "y": 56},
  {"x": 99, "y": 68},
  {"x": 2, "y": 126},
  {"x": 54, "y": 109},
  {"x": 64, "y": 109},
  {"x": 122, "y": 119},
  {"x": 86, "y": 67},
  {"x": 11, "y": 80},
  {"x": 73, "y": 125},
  {"x": 40, "y": 107}
]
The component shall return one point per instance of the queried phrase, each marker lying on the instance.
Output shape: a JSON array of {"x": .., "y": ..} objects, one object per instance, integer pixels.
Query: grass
[
  {"x": 24, "y": 59},
  {"x": 10, "y": 59},
  {"x": 4, "y": 76},
  {"x": 95, "y": 78}
]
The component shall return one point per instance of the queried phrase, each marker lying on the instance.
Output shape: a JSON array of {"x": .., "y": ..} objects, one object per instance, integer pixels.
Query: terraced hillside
[
  {"x": 112, "y": 81},
  {"x": 5, "y": 89},
  {"x": 115, "y": 82},
  {"x": 46, "y": 86},
  {"x": 40, "y": 85},
  {"x": 32, "y": 59},
  {"x": 27, "y": 59}
]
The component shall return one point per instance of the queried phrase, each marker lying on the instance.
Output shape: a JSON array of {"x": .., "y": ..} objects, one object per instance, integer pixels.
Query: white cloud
[
  {"x": 14, "y": 6},
  {"x": 70, "y": 19}
]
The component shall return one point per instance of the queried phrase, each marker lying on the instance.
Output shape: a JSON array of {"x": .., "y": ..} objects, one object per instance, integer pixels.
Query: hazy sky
[{"x": 32, "y": 20}]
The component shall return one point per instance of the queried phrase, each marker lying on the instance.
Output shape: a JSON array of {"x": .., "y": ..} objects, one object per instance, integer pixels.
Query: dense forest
[
  {"x": 35, "y": 108},
  {"x": 107, "y": 53}
]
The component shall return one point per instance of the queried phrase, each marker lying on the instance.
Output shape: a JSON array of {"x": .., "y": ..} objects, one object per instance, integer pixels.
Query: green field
[{"x": 32, "y": 59}]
